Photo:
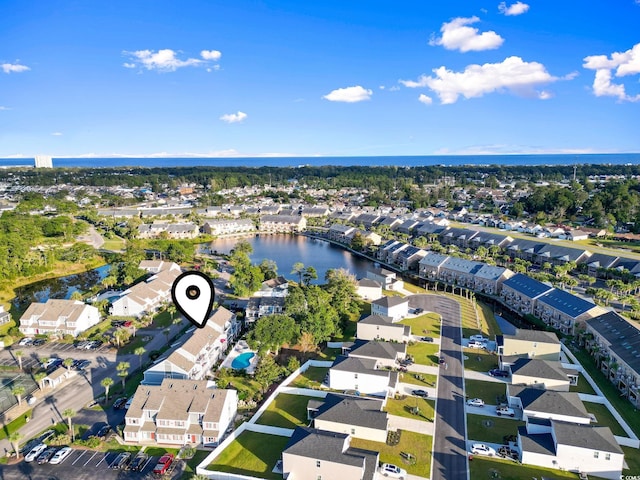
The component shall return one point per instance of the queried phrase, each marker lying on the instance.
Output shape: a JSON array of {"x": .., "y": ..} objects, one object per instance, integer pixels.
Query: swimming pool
[{"x": 242, "y": 361}]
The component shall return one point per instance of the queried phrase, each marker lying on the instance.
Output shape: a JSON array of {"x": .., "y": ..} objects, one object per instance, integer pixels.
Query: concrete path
[
  {"x": 484, "y": 376},
  {"x": 406, "y": 388},
  {"x": 423, "y": 427}
]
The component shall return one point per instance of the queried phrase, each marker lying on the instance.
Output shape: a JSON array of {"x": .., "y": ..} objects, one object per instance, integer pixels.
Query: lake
[{"x": 286, "y": 250}]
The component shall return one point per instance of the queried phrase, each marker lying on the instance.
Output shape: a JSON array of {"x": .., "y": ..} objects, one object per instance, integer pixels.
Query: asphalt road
[{"x": 450, "y": 460}]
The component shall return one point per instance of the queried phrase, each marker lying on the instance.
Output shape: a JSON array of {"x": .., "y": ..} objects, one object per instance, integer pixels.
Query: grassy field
[
  {"x": 426, "y": 379},
  {"x": 481, "y": 468},
  {"x": 114, "y": 244},
  {"x": 479, "y": 360},
  {"x": 312, "y": 378},
  {"x": 245, "y": 384},
  {"x": 427, "y": 325},
  {"x": 487, "y": 391},
  {"x": 328, "y": 354},
  {"x": 410, "y": 442},
  {"x": 192, "y": 463},
  {"x": 582, "y": 387},
  {"x": 404, "y": 407},
  {"x": 424, "y": 353},
  {"x": 604, "y": 418},
  {"x": 252, "y": 454},
  {"x": 17, "y": 424},
  {"x": 490, "y": 429},
  {"x": 287, "y": 411},
  {"x": 163, "y": 319},
  {"x": 632, "y": 459}
]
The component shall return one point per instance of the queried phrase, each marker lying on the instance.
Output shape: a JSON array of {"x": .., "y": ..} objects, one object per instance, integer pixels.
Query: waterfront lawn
[
  {"x": 621, "y": 404},
  {"x": 583, "y": 386},
  {"x": 424, "y": 353},
  {"x": 491, "y": 429},
  {"x": 410, "y": 442},
  {"x": 403, "y": 407},
  {"x": 286, "y": 411},
  {"x": 483, "y": 468},
  {"x": 252, "y": 454},
  {"x": 428, "y": 379},
  {"x": 479, "y": 360},
  {"x": 312, "y": 378},
  {"x": 487, "y": 391},
  {"x": 424, "y": 325},
  {"x": 604, "y": 418}
]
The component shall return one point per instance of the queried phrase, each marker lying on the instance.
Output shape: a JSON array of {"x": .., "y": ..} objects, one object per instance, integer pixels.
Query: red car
[{"x": 163, "y": 464}]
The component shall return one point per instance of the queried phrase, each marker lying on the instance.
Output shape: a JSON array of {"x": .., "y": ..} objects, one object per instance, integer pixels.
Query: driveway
[{"x": 450, "y": 460}]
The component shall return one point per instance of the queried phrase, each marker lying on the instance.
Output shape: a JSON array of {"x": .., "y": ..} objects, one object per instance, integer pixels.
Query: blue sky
[{"x": 345, "y": 78}]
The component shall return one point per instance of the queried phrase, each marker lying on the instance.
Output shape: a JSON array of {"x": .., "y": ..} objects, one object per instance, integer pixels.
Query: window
[
  {"x": 353, "y": 431},
  {"x": 607, "y": 456},
  {"x": 318, "y": 463},
  {"x": 355, "y": 375},
  {"x": 596, "y": 454}
]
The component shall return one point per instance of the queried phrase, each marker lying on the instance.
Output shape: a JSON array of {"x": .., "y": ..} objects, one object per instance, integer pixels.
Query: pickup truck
[{"x": 505, "y": 411}]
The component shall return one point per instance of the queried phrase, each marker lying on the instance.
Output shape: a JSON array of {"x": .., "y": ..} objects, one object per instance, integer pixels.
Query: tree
[
  {"x": 271, "y": 332},
  {"x": 123, "y": 371},
  {"x": 76, "y": 295},
  {"x": 69, "y": 413},
  {"x": 140, "y": 351},
  {"x": 307, "y": 343},
  {"x": 121, "y": 336},
  {"x": 19, "y": 354},
  {"x": 172, "y": 309},
  {"x": 269, "y": 269},
  {"x": 18, "y": 391},
  {"x": 267, "y": 372},
  {"x": 292, "y": 365},
  {"x": 67, "y": 363},
  {"x": 298, "y": 269},
  {"x": 309, "y": 274},
  {"x": 39, "y": 377},
  {"x": 107, "y": 383},
  {"x": 15, "y": 438}
]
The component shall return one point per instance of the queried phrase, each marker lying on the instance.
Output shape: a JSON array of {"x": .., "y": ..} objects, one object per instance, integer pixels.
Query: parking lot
[
  {"x": 31, "y": 355},
  {"x": 83, "y": 465}
]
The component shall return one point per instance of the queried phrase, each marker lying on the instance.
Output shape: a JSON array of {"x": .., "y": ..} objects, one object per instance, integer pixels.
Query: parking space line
[
  {"x": 81, "y": 454},
  {"x": 85, "y": 463},
  {"x": 103, "y": 459},
  {"x": 146, "y": 464}
]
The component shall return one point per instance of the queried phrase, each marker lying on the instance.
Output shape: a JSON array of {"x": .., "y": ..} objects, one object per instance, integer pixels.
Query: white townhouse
[
  {"x": 537, "y": 403},
  {"x": 274, "y": 287},
  {"x": 386, "y": 278},
  {"x": 378, "y": 327},
  {"x": 341, "y": 233},
  {"x": 174, "y": 231},
  {"x": 368, "y": 289},
  {"x": 386, "y": 354},
  {"x": 229, "y": 226},
  {"x": 56, "y": 316},
  {"x": 394, "y": 307},
  {"x": 545, "y": 374},
  {"x": 362, "y": 375},
  {"x": 146, "y": 296},
  {"x": 156, "y": 266},
  {"x": 180, "y": 412},
  {"x": 282, "y": 223}
]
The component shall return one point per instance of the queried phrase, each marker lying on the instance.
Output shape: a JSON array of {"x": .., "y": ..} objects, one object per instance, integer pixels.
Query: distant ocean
[{"x": 400, "y": 161}]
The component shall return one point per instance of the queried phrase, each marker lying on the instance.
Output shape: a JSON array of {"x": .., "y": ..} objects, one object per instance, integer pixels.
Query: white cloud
[
  {"x": 545, "y": 95},
  {"x": 3, "y": 108},
  {"x": 425, "y": 99},
  {"x": 624, "y": 63},
  {"x": 233, "y": 117},
  {"x": 349, "y": 94},
  {"x": 513, "y": 75},
  {"x": 57, "y": 134},
  {"x": 166, "y": 60},
  {"x": 514, "y": 9},
  {"x": 211, "y": 54},
  {"x": 456, "y": 35},
  {"x": 14, "y": 68}
]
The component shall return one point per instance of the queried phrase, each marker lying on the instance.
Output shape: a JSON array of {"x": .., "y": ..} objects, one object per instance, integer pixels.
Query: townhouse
[
  {"x": 409, "y": 258},
  {"x": 543, "y": 374},
  {"x": 394, "y": 307},
  {"x": 527, "y": 344},
  {"x": 58, "y": 317},
  {"x": 362, "y": 375},
  {"x": 229, "y": 227},
  {"x": 260, "y": 306},
  {"x": 379, "y": 327},
  {"x": 562, "y": 310},
  {"x": 341, "y": 233},
  {"x": 146, "y": 296},
  {"x": 368, "y": 289},
  {"x": 175, "y": 231},
  {"x": 520, "y": 292},
  {"x": 282, "y": 223}
]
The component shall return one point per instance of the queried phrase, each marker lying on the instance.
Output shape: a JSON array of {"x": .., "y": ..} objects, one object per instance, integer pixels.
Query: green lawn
[
  {"x": 424, "y": 325},
  {"x": 487, "y": 391},
  {"x": 247, "y": 387},
  {"x": 404, "y": 407},
  {"x": 192, "y": 463},
  {"x": 159, "y": 451},
  {"x": 604, "y": 418},
  {"x": 481, "y": 468},
  {"x": 426, "y": 379},
  {"x": 490, "y": 429},
  {"x": 114, "y": 244},
  {"x": 632, "y": 459},
  {"x": 163, "y": 319},
  {"x": 252, "y": 454},
  {"x": 312, "y": 378},
  {"x": 621, "y": 404},
  {"x": 479, "y": 360},
  {"x": 583, "y": 386},
  {"x": 424, "y": 353},
  {"x": 410, "y": 442},
  {"x": 287, "y": 411},
  {"x": 329, "y": 354},
  {"x": 17, "y": 424},
  {"x": 135, "y": 342}
]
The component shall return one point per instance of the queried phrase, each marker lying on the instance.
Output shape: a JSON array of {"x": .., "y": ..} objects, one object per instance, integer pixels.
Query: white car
[
  {"x": 393, "y": 471},
  {"x": 26, "y": 341},
  {"x": 475, "y": 402},
  {"x": 60, "y": 455},
  {"x": 35, "y": 451},
  {"x": 476, "y": 344},
  {"x": 478, "y": 338},
  {"x": 482, "y": 449}
]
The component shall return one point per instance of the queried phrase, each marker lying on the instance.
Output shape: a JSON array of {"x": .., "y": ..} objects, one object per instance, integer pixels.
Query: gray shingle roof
[
  {"x": 539, "y": 368},
  {"x": 321, "y": 445},
  {"x": 586, "y": 436},
  {"x": 377, "y": 350},
  {"x": 378, "y": 320},
  {"x": 534, "y": 336},
  {"x": 541, "y": 443},
  {"x": 358, "y": 365},
  {"x": 353, "y": 411},
  {"x": 388, "y": 302},
  {"x": 550, "y": 401}
]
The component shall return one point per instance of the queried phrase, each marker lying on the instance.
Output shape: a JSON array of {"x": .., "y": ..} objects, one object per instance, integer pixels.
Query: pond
[
  {"x": 60, "y": 287},
  {"x": 286, "y": 250}
]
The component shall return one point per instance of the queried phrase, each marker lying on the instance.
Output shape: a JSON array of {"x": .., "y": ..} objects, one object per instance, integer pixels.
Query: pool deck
[{"x": 239, "y": 348}]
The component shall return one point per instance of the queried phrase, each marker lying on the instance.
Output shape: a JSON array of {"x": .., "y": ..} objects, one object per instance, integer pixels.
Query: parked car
[
  {"x": 508, "y": 452},
  {"x": 427, "y": 339},
  {"x": 35, "y": 452},
  {"x": 476, "y": 344},
  {"x": 496, "y": 372},
  {"x": 441, "y": 360},
  {"x": 475, "y": 402},
  {"x": 138, "y": 463},
  {"x": 163, "y": 464},
  {"x": 120, "y": 403},
  {"x": 38, "y": 341},
  {"x": 129, "y": 402},
  {"x": 82, "y": 364},
  {"x": 60, "y": 455},
  {"x": 25, "y": 342},
  {"x": 47, "y": 435},
  {"x": 510, "y": 412},
  {"x": 478, "y": 338},
  {"x": 82, "y": 345},
  {"x": 393, "y": 471},
  {"x": 46, "y": 455},
  {"x": 482, "y": 449},
  {"x": 420, "y": 393},
  {"x": 121, "y": 461},
  {"x": 418, "y": 311},
  {"x": 104, "y": 431}
]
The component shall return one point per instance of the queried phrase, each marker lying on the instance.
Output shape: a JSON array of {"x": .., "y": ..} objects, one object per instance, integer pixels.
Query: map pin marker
[{"x": 193, "y": 295}]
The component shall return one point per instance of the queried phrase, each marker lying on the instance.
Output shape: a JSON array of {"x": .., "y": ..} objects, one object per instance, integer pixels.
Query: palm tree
[
  {"x": 139, "y": 352},
  {"x": 67, "y": 362},
  {"x": 39, "y": 377},
  {"x": 298, "y": 269},
  {"x": 106, "y": 383},
  {"x": 171, "y": 308},
  {"x": 76, "y": 295},
  {"x": 19, "y": 354},
  {"x": 15, "y": 438},
  {"x": 18, "y": 391},
  {"x": 123, "y": 371},
  {"x": 68, "y": 414}
]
